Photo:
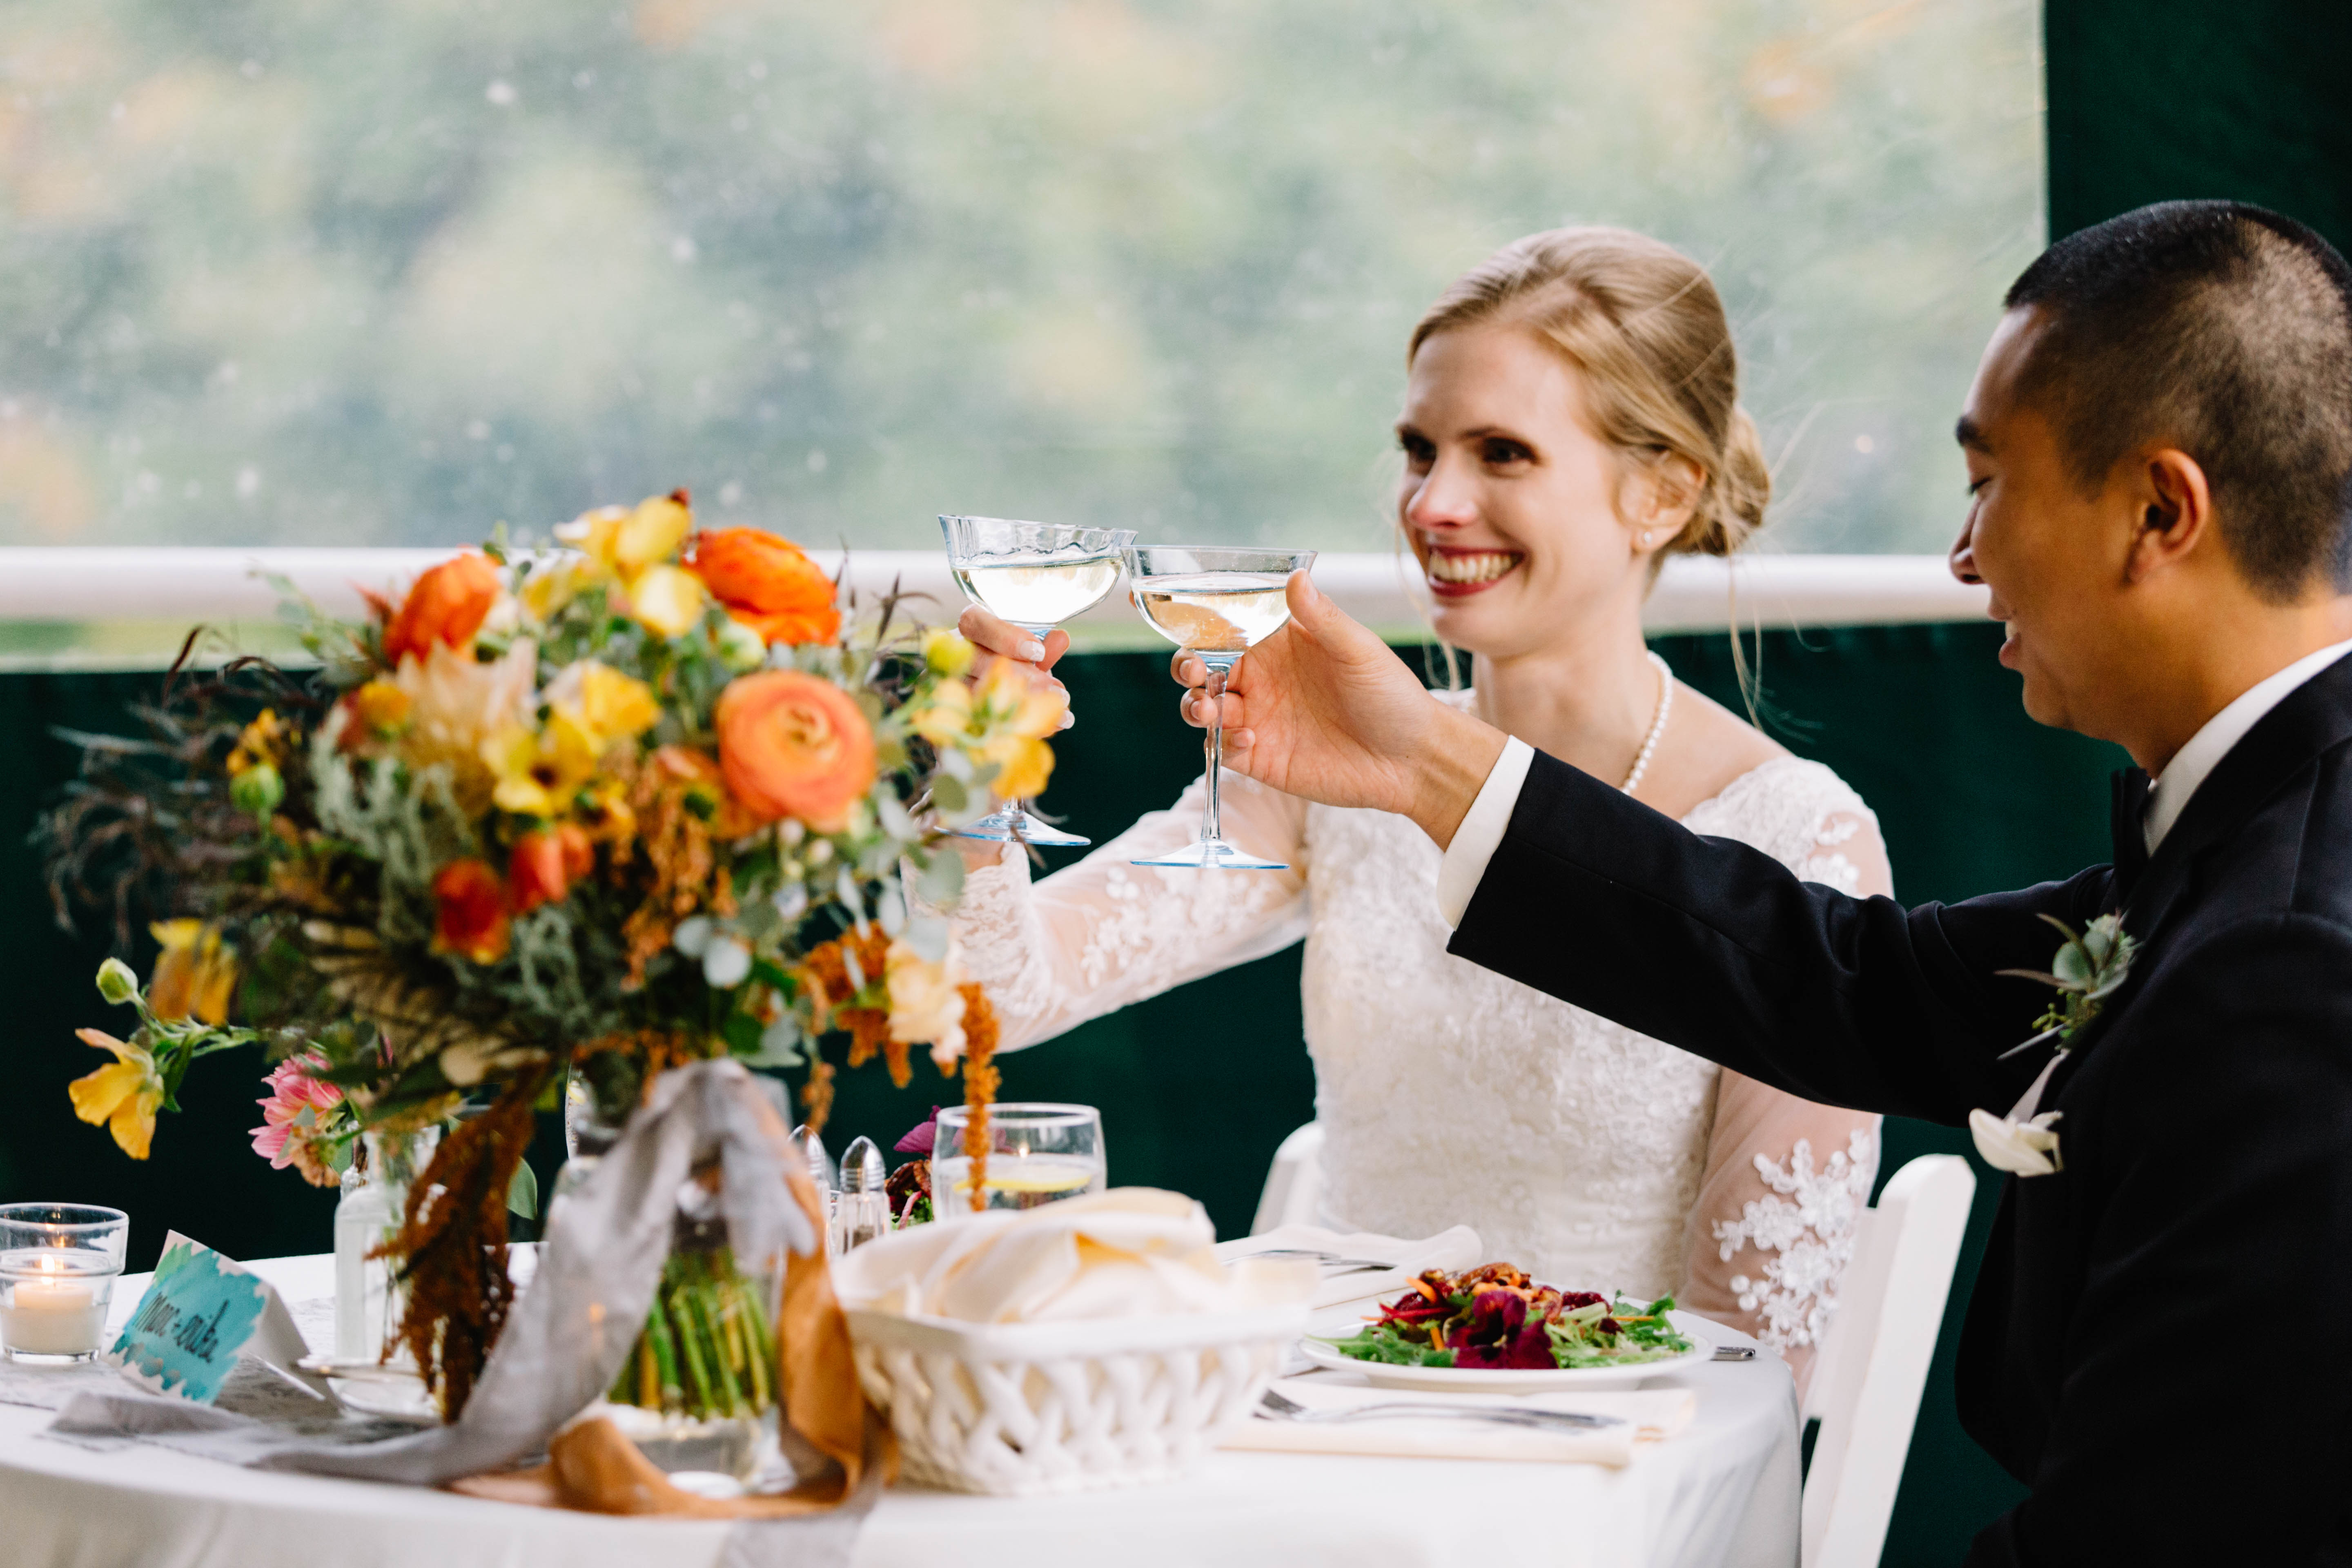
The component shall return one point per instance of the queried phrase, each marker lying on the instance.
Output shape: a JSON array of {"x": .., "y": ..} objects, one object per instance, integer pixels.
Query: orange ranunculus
[
  {"x": 471, "y": 914},
  {"x": 791, "y": 744},
  {"x": 766, "y": 582},
  {"x": 545, "y": 863},
  {"x": 448, "y": 604}
]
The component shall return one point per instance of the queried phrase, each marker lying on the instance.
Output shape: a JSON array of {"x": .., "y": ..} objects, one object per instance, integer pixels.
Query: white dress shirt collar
[{"x": 2168, "y": 794}]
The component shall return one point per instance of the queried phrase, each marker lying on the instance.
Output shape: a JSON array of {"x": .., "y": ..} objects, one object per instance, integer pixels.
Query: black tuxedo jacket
[{"x": 2157, "y": 1344}]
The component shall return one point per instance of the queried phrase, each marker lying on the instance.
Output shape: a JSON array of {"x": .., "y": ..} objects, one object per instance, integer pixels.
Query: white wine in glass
[
  {"x": 1217, "y": 604},
  {"x": 1036, "y": 575},
  {"x": 1042, "y": 596}
]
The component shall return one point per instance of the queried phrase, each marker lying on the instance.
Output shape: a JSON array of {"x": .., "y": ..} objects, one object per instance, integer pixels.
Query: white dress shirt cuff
[{"x": 1481, "y": 832}]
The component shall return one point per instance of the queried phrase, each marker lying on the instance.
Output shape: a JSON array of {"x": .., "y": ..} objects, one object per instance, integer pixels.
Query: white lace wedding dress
[{"x": 1596, "y": 1157}]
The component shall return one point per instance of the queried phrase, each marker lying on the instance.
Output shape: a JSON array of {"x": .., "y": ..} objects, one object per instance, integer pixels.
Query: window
[{"x": 388, "y": 274}]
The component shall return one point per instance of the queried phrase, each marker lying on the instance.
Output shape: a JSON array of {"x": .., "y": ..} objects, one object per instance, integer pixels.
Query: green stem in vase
[
  {"x": 763, "y": 1342},
  {"x": 701, "y": 1397},
  {"x": 755, "y": 1359},
  {"x": 666, "y": 1352},
  {"x": 705, "y": 1303}
]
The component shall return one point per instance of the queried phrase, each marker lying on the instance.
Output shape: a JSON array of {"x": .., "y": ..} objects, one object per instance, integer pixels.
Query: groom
[{"x": 2159, "y": 455}]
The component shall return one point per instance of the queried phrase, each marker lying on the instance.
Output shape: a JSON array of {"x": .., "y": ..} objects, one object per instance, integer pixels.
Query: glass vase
[
  {"x": 588, "y": 1135},
  {"x": 698, "y": 1389},
  {"x": 370, "y": 1212}
]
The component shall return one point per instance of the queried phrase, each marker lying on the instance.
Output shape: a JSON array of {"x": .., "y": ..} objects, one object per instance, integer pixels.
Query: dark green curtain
[{"x": 2153, "y": 101}]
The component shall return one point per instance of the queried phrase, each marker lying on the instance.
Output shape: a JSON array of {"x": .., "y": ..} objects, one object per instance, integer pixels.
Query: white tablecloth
[{"x": 1724, "y": 1491}]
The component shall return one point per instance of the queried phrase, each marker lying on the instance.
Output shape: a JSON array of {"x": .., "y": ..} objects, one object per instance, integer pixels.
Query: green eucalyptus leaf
[
  {"x": 523, "y": 1193},
  {"x": 2073, "y": 968},
  {"x": 941, "y": 882}
]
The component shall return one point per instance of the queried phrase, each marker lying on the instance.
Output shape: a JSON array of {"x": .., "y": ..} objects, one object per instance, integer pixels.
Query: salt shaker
[
  {"x": 820, "y": 1170},
  {"x": 861, "y": 1211}
]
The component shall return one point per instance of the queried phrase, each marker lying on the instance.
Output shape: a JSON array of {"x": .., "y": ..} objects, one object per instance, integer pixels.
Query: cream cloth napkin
[
  {"x": 1127, "y": 1252},
  {"x": 1454, "y": 1250},
  {"x": 1650, "y": 1415}
]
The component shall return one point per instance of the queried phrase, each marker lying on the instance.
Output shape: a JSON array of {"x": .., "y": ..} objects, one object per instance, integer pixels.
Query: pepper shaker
[{"x": 862, "y": 1211}]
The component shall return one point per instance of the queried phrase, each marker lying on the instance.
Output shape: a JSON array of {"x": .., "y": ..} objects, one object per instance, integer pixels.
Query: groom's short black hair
[{"x": 2225, "y": 331}]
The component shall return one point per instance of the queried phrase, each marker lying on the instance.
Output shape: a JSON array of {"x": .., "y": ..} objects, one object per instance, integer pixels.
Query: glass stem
[
  {"x": 1018, "y": 810},
  {"x": 1210, "y": 832}
]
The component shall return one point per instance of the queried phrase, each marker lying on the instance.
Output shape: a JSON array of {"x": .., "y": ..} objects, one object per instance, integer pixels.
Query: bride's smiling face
[{"x": 1513, "y": 506}]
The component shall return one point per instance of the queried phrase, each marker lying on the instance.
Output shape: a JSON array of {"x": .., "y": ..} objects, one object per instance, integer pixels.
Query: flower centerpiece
[{"x": 650, "y": 796}]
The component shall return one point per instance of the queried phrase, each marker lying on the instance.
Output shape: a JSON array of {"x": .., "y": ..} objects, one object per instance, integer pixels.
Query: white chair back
[
  {"x": 1868, "y": 1378},
  {"x": 1294, "y": 1183}
]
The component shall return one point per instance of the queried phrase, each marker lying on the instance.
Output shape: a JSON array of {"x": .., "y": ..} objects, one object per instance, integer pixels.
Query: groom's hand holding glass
[{"x": 1326, "y": 711}]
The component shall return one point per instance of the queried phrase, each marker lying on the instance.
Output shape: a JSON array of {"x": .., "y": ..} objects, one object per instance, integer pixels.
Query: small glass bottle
[{"x": 373, "y": 1204}]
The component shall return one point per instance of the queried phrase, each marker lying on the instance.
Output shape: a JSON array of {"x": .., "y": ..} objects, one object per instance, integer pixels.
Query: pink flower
[{"x": 291, "y": 1118}]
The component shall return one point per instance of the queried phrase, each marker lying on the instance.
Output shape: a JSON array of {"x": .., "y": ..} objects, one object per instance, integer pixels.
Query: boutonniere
[{"x": 2088, "y": 969}]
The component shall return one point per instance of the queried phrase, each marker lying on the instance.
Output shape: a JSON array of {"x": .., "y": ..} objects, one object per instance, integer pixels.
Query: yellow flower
[
  {"x": 1023, "y": 762},
  {"x": 946, "y": 652},
  {"x": 380, "y": 707},
  {"x": 945, "y": 715},
  {"x": 592, "y": 707},
  {"x": 1010, "y": 700},
  {"x": 603, "y": 703},
  {"x": 194, "y": 974},
  {"x": 666, "y": 600},
  {"x": 125, "y": 1096},
  {"x": 638, "y": 549},
  {"x": 261, "y": 741},
  {"x": 555, "y": 585}
]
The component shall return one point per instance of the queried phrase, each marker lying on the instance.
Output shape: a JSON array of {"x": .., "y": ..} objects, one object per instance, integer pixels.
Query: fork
[
  {"x": 1329, "y": 1260},
  {"x": 1274, "y": 1406}
]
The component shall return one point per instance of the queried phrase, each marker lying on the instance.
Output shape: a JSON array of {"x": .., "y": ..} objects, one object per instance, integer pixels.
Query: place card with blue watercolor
[{"x": 200, "y": 1313}]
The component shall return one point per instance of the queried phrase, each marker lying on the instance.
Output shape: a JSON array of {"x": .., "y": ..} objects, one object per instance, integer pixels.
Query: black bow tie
[{"x": 2131, "y": 786}]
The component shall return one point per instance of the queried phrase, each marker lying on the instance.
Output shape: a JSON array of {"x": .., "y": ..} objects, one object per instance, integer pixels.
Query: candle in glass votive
[{"x": 51, "y": 1308}]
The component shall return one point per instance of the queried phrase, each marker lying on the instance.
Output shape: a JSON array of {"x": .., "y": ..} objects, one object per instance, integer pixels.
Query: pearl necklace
[{"x": 1657, "y": 727}]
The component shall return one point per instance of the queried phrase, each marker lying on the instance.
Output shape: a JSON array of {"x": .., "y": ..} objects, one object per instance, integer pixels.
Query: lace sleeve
[
  {"x": 1846, "y": 853},
  {"x": 1773, "y": 1230},
  {"x": 1096, "y": 936},
  {"x": 1774, "y": 1225}
]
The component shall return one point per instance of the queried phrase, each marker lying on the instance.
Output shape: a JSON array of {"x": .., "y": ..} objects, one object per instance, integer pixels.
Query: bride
[{"x": 1569, "y": 421}]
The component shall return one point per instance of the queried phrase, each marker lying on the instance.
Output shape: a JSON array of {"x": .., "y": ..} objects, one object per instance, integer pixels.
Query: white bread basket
[{"x": 1020, "y": 1409}]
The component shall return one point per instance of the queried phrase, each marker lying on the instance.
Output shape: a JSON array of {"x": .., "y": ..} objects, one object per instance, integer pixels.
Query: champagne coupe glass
[
  {"x": 1215, "y": 604},
  {"x": 1034, "y": 574},
  {"x": 1038, "y": 1153}
]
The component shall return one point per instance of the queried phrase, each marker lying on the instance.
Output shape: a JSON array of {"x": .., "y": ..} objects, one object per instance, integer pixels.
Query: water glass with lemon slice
[{"x": 1037, "y": 1152}]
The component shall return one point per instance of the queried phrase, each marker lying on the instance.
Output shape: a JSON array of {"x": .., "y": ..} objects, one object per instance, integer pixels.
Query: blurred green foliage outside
[{"x": 277, "y": 271}]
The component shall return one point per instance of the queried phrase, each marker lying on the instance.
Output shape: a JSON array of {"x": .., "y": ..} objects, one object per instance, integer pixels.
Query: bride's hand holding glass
[{"x": 993, "y": 636}]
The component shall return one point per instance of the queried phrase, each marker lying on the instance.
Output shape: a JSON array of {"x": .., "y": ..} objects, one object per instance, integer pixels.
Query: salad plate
[
  {"x": 1482, "y": 1380},
  {"x": 1493, "y": 1330}
]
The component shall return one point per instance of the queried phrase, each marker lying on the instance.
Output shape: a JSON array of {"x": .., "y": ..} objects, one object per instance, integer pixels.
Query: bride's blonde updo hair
[{"x": 1644, "y": 326}]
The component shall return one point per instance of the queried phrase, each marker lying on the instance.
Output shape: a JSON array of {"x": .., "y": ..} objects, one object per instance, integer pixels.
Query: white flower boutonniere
[
  {"x": 2027, "y": 1148},
  {"x": 2085, "y": 972}
]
